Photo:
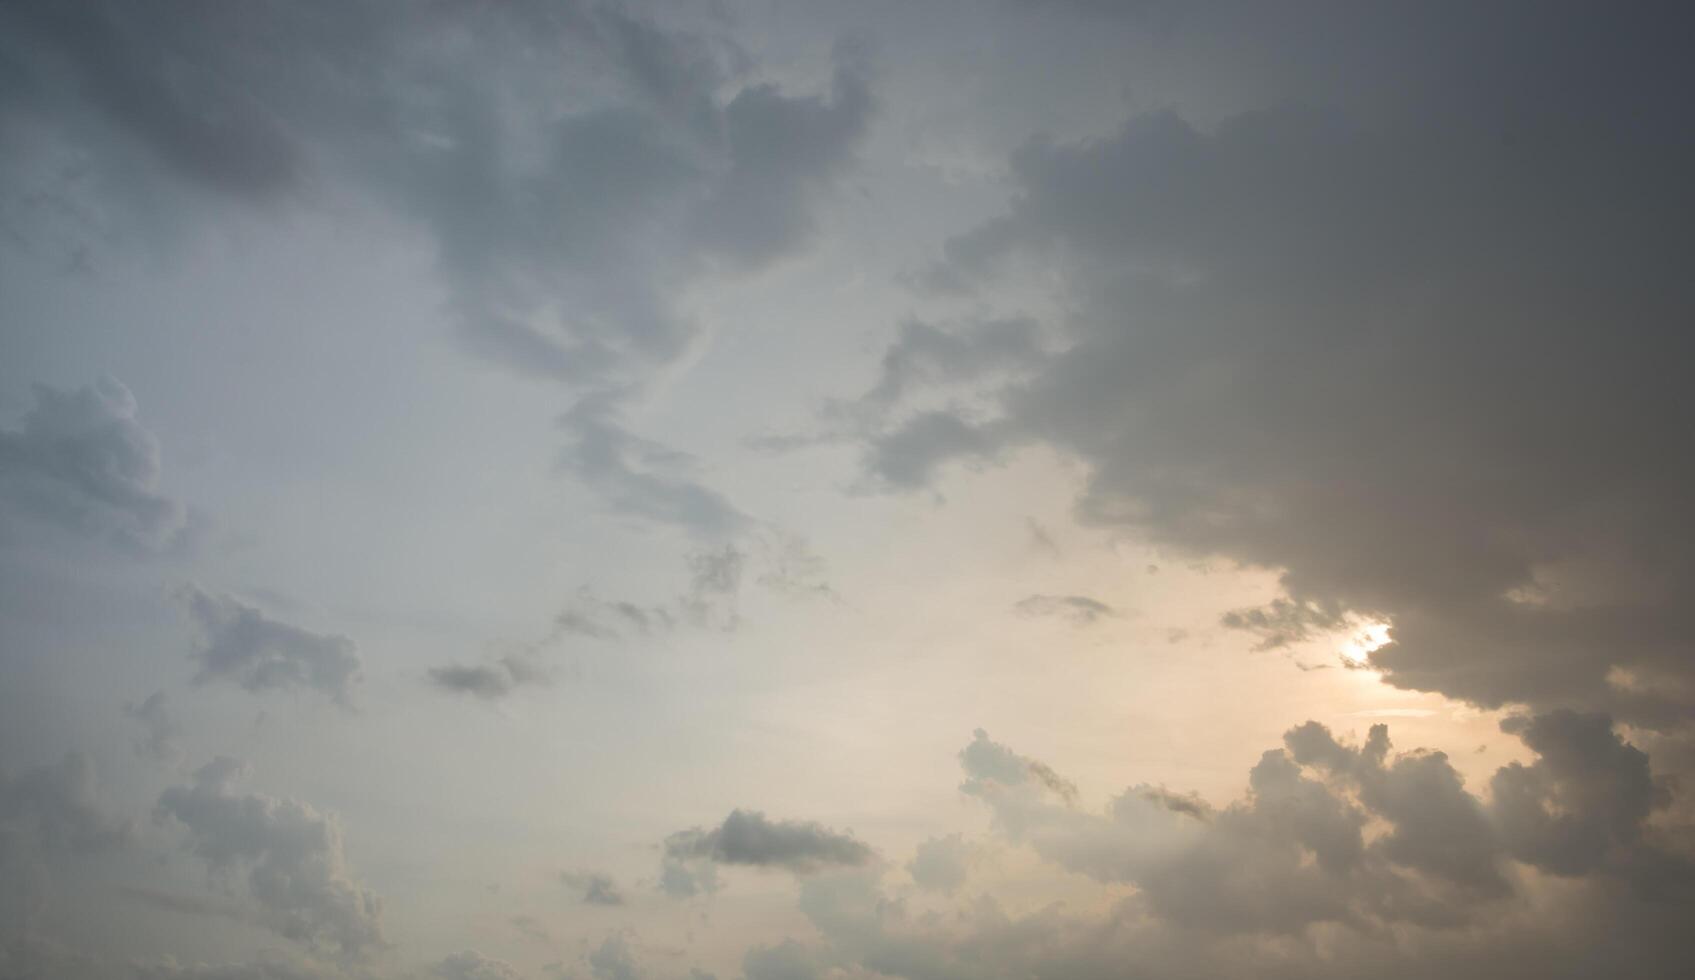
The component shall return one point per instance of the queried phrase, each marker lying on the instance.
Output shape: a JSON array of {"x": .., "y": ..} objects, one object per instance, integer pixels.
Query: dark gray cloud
[
  {"x": 597, "y": 888},
  {"x": 748, "y": 838},
  {"x": 1282, "y": 622},
  {"x": 1078, "y": 610},
  {"x": 1403, "y": 333},
  {"x": 491, "y": 681},
  {"x": 289, "y": 854},
  {"x": 240, "y": 644},
  {"x": 80, "y": 460}
]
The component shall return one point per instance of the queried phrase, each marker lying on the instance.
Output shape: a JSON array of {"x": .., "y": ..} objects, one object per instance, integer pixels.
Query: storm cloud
[{"x": 1425, "y": 369}]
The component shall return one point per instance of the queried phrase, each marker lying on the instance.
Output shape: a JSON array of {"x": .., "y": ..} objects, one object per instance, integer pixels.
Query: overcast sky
[{"x": 770, "y": 490}]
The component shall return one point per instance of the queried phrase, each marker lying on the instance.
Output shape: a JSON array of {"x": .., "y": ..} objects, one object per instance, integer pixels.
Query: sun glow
[{"x": 1358, "y": 647}]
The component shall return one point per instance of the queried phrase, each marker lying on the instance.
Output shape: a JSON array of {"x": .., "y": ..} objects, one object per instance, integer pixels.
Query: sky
[{"x": 765, "y": 490}]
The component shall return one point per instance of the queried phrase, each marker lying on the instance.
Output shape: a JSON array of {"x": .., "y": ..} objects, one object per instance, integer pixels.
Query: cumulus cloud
[
  {"x": 1333, "y": 336},
  {"x": 288, "y": 854},
  {"x": 1340, "y": 860},
  {"x": 1356, "y": 836},
  {"x": 749, "y": 838},
  {"x": 242, "y": 645},
  {"x": 81, "y": 461},
  {"x": 1078, "y": 610}
]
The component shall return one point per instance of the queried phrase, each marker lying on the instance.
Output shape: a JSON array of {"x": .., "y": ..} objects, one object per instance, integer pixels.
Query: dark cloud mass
[{"x": 1419, "y": 344}]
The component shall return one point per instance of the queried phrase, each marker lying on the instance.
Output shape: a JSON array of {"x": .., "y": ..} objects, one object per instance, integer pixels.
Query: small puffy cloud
[
  {"x": 1078, "y": 610},
  {"x": 81, "y": 461},
  {"x": 748, "y": 838},
  {"x": 289, "y": 855},
  {"x": 597, "y": 888},
  {"x": 242, "y": 645},
  {"x": 490, "y": 682}
]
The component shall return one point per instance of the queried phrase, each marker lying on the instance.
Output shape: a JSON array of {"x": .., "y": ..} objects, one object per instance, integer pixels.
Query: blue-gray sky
[{"x": 804, "y": 491}]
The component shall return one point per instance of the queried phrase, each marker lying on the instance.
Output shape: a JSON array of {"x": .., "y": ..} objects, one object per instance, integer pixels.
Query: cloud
[
  {"x": 612, "y": 960},
  {"x": 597, "y": 888},
  {"x": 1583, "y": 806},
  {"x": 1296, "y": 850},
  {"x": 472, "y": 965},
  {"x": 1340, "y": 860},
  {"x": 241, "y": 645},
  {"x": 531, "y": 928},
  {"x": 748, "y": 838},
  {"x": 291, "y": 856},
  {"x": 1332, "y": 337},
  {"x": 47, "y": 813},
  {"x": 639, "y": 478},
  {"x": 990, "y": 766},
  {"x": 715, "y": 574},
  {"x": 268, "y": 967},
  {"x": 162, "y": 735},
  {"x": 576, "y": 166},
  {"x": 1284, "y": 622},
  {"x": 1078, "y": 610},
  {"x": 490, "y": 682},
  {"x": 80, "y": 460},
  {"x": 59, "y": 805},
  {"x": 942, "y": 864}
]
